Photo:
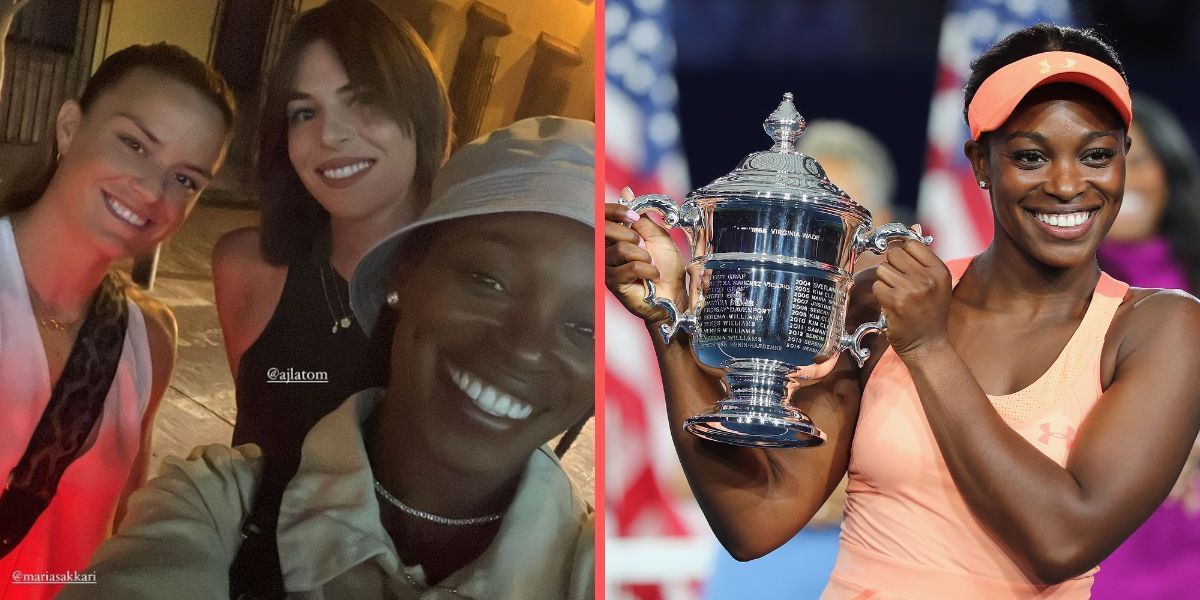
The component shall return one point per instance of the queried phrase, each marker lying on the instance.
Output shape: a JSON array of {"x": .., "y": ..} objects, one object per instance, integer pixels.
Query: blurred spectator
[
  {"x": 857, "y": 162},
  {"x": 1153, "y": 242}
]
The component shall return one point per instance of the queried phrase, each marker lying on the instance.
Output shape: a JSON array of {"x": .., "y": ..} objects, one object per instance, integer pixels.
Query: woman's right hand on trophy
[{"x": 638, "y": 249}]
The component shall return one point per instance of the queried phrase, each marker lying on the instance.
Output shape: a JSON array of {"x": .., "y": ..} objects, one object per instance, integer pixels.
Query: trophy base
[{"x": 757, "y": 426}]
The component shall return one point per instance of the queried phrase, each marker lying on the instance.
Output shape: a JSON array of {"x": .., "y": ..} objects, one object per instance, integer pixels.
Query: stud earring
[
  {"x": 983, "y": 184},
  {"x": 393, "y": 299}
]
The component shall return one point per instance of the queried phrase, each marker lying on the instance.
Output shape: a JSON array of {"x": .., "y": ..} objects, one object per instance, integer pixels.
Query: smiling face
[
  {"x": 1057, "y": 173},
  {"x": 354, "y": 159},
  {"x": 133, "y": 166},
  {"x": 1145, "y": 192},
  {"x": 492, "y": 354}
]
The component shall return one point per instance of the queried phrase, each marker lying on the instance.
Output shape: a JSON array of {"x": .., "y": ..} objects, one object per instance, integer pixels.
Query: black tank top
[
  {"x": 325, "y": 363},
  {"x": 299, "y": 344}
]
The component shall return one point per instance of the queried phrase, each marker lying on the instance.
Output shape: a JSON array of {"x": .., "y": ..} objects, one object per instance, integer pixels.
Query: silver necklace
[
  {"x": 344, "y": 321},
  {"x": 432, "y": 518}
]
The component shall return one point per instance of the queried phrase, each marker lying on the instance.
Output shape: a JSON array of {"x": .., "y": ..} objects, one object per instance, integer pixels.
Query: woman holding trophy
[{"x": 1025, "y": 411}]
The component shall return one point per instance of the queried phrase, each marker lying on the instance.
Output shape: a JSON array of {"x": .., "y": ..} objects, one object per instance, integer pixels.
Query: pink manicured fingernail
[
  {"x": 633, "y": 216},
  {"x": 642, "y": 243}
]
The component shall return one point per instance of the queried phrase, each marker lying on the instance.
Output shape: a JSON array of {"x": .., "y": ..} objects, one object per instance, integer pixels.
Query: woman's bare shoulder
[
  {"x": 1155, "y": 305},
  {"x": 239, "y": 250},
  {"x": 1155, "y": 316},
  {"x": 246, "y": 288},
  {"x": 162, "y": 334},
  {"x": 240, "y": 272}
]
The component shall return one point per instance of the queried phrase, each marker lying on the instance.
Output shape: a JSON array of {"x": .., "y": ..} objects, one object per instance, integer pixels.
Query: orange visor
[{"x": 1003, "y": 90}]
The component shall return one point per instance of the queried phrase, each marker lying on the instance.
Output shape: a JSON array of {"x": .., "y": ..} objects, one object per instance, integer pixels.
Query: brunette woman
[
  {"x": 355, "y": 124},
  {"x": 84, "y": 359}
]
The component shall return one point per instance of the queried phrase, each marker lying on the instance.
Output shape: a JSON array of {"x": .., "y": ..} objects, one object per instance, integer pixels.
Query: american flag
[
  {"x": 645, "y": 520},
  {"x": 950, "y": 204}
]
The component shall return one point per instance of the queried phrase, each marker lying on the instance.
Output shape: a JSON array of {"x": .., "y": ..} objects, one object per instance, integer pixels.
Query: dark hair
[
  {"x": 1035, "y": 39},
  {"x": 163, "y": 59},
  {"x": 379, "y": 52},
  {"x": 1168, "y": 142}
]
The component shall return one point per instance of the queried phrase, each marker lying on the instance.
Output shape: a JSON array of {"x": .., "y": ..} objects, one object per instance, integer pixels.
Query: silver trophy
[{"x": 773, "y": 246}]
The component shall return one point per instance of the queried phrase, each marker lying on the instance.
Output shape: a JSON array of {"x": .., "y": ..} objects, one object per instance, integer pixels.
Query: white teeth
[
  {"x": 128, "y": 215},
  {"x": 1071, "y": 219},
  {"x": 489, "y": 399},
  {"x": 346, "y": 171},
  {"x": 503, "y": 403}
]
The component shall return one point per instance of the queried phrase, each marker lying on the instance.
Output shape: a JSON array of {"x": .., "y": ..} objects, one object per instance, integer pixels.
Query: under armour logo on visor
[
  {"x": 1068, "y": 435},
  {"x": 1046, "y": 66}
]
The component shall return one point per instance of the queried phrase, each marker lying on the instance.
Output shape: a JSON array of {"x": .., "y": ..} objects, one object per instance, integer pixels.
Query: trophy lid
[{"x": 782, "y": 172}]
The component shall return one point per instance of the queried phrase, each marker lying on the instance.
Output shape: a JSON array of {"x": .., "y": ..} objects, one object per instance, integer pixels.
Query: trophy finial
[{"x": 785, "y": 125}]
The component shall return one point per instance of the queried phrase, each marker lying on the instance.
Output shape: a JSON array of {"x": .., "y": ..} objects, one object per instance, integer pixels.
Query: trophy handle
[
  {"x": 665, "y": 206},
  {"x": 877, "y": 239},
  {"x": 659, "y": 203},
  {"x": 853, "y": 341},
  {"x": 675, "y": 321}
]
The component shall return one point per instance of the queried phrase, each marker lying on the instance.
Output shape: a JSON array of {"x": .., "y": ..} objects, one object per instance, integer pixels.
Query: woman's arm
[
  {"x": 161, "y": 334},
  {"x": 757, "y": 499},
  {"x": 754, "y": 499},
  {"x": 1128, "y": 453},
  {"x": 247, "y": 290},
  {"x": 182, "y": 531}
]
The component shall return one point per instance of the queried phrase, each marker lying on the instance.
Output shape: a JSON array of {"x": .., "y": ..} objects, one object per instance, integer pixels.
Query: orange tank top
[{"x": 907, "y": 532}]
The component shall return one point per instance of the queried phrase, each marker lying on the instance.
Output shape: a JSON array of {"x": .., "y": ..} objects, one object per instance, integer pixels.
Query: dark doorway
[{"x": 237, "y": 55}]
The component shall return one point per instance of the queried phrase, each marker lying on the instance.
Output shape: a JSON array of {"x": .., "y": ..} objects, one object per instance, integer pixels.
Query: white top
[
  {"x": 79, "y": 517},
  {"x": 182, "y": 530}
]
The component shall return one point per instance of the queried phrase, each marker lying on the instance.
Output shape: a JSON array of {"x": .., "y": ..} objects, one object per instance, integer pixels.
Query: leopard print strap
[{"x": 74, "y": 409}]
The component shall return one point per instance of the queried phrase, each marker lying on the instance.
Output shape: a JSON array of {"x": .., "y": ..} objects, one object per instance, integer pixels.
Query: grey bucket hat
[{"x": 540, "y": 164}]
